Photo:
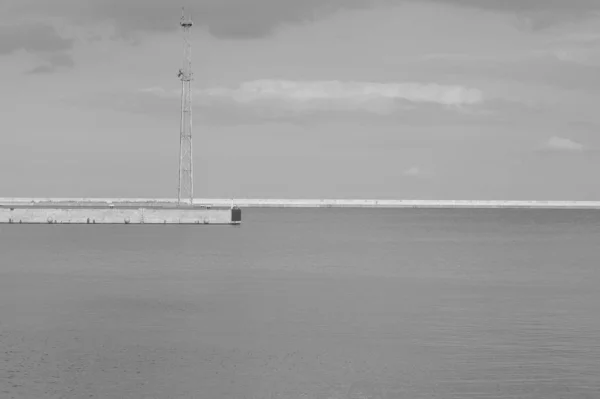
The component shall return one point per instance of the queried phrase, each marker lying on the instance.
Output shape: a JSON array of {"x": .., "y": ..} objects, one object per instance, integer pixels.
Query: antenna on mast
[{"x": 185, "y": 190}]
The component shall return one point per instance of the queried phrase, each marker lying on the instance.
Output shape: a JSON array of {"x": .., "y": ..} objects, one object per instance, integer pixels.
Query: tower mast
[{"x": 186, "y": 177}]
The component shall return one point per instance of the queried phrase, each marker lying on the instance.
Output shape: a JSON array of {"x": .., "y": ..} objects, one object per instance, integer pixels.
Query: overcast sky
[{"x": 440, "y": 99}]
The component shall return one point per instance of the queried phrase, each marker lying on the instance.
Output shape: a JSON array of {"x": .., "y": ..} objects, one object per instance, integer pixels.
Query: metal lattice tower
[{"x": 186, "y": 177}]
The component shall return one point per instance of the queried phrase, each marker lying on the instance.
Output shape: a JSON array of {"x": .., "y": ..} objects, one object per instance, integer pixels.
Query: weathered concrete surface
[
  {"x": 63, "y": 214},
  {"x": 100, "y": 202}
]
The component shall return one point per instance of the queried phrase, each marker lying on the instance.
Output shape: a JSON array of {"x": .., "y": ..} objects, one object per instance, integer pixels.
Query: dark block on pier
[{"x": 236, "y": 215}]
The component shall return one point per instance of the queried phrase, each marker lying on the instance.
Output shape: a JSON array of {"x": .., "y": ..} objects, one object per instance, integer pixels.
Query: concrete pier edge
[{"x": 102, "y": 211}]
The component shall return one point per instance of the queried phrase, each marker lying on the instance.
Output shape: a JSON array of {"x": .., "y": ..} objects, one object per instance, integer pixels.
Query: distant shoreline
[{"x": 309, "y": 203}]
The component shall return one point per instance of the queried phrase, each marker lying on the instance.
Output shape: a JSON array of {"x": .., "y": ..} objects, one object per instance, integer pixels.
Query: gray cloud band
[{"x": 246, "y": 19}]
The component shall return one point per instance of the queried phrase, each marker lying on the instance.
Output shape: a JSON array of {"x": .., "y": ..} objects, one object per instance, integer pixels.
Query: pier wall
[{"x": 83, "y": 215}]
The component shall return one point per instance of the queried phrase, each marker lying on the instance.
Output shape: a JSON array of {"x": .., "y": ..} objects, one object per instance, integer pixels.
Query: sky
[{"x": 405, "y": 99}]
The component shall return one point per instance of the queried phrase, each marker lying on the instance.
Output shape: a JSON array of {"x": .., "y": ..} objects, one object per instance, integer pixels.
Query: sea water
[{"x": 306, "y": 303}]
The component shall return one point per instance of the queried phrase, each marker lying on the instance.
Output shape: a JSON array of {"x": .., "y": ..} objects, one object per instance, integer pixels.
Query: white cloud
[
  {"x": 380, "y": 98},
  {"x": 563, "y": 144},
  {"x": 413, "y": 171},
  {"x": 417, "y": 172},
  {"x": 581, "y": 55},
  {"x": 313, "y": 101}
]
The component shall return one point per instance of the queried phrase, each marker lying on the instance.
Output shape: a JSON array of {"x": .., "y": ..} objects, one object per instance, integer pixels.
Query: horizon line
[{"x": 324, "y": 203}]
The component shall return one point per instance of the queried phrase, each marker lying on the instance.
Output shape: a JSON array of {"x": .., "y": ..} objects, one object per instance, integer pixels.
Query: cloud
[
  {"x": 33, "y": 38},
  {"x": 247, "y": 19},
  {"x": 41, "y": 40},
  {"x": 529, "y": 5},
  {"x": 555, "y": 67},
  {"x": 313, "y": 102},
  {"x": 230, "y": 19},
  {"x": 416, "y": 172},
  {"x": 413, "y": 171},
  {"x": 53, "y": 62},
  {"x": 42, "y": 70},
  {"x": 562, "y": 144},
  {"x": 380, "y": 98},
  {"x": 60, "y": 59},
  {"x": 265, "y": 100},
  {"x": 538, "y": 14}
]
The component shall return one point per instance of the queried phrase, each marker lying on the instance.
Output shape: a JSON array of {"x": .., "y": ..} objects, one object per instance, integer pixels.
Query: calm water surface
[{"x": 323, "y": 303}]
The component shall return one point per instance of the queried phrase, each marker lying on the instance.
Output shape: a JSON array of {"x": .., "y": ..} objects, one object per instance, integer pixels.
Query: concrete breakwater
[
  {"x": 113, "y": 212},
  {"x": 374, "y": 203},
  {"x": 212, "y": 203}
]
